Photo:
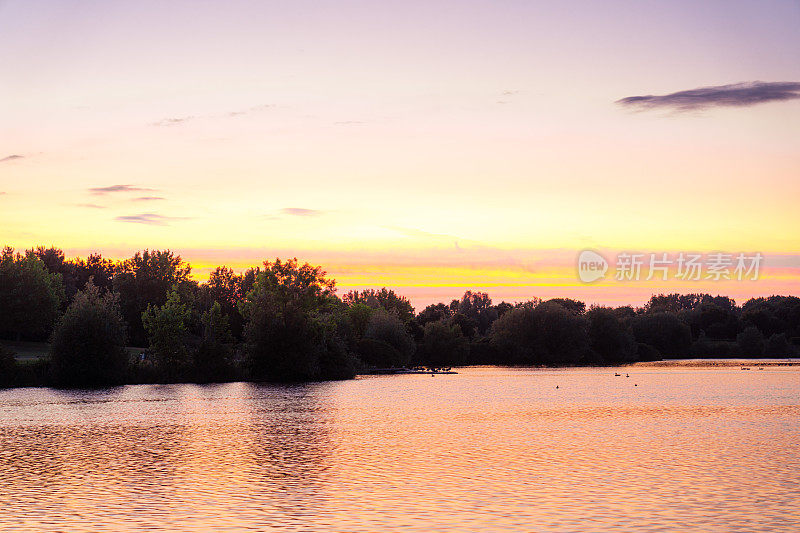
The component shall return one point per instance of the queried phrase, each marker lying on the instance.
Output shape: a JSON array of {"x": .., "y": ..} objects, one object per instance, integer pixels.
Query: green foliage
[
  {"x": 385, "y": 326},
  {"x": 224, "y": 287},
  {"x": 382, "y": 299},
  {"x": 212, "y": 359},
  {"x": 88, "y": 344},
  {"x": 477, "y": 310},
  {"x": 443, "y": 344},
  {"x": 359, "y": 316},
  {"x": 290, "y": 332},
  {"x": 144, "y": 280},
  {"x": 167, "y": 334},
  {"x": 30, "y": 296}
]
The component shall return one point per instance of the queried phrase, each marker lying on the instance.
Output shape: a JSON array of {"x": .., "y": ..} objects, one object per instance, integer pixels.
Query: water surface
[{"x": 491, "y": 449}]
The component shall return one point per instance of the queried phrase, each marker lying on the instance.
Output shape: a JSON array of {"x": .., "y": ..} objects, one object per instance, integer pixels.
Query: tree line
[{"x": 283, "y": 321}]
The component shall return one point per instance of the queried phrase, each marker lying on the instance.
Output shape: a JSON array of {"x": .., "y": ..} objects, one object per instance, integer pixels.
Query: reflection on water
[{"x": 489, "y": 449}]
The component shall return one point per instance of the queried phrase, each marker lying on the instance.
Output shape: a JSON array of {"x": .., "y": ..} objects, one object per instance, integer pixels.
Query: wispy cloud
[
  {"x": 733, "y": 95},
  {"x": 174, "y": 121},
  {"x": 148, "y": 198},
  {"x": 11, "y": 157},
  {"x": 91, "y": 206},
  {"x": 249, "y": 110},
  {"x": 152, "y": 219},
  {"x": 300, "y": 212},
  {"x": 117, "y": 188},
  {"x": 177, "y": 121}
]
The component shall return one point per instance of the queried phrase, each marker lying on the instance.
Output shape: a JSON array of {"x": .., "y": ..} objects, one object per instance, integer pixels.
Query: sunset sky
[{"x": 426, "y": 146}]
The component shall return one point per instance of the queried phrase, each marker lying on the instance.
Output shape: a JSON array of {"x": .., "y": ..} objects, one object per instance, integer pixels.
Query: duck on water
[{"x": 414, "y": 370}]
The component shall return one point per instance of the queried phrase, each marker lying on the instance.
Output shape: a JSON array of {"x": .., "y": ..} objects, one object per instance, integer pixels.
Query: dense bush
[
  {"x": 547, "y": 334},
  {"x": 8, "y": 367},
  {"x": 443, "y": 344},
  {"x": 751, "y": 342},
  {"x": 88, "y": 344},
  {"x": 386, "y": 327},
  {"x": 30, "y": 296},
  {"x": 663, "y": 331}
]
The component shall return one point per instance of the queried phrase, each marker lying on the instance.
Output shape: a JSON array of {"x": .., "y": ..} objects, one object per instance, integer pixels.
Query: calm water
[{"x": 490, "y": 449}]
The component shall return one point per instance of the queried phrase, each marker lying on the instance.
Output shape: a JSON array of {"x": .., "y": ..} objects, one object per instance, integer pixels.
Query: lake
[{"x": 490, "y": 449}]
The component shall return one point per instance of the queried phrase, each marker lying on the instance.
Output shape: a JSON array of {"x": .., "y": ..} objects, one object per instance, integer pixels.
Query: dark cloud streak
[
  {"x": 117, "y": 188},
  {"x": 151, "y": 219},
  {"x": 733, "y": 95},
  {"x": 11, "y": 157},
  {"x": 148, "y": 198}
]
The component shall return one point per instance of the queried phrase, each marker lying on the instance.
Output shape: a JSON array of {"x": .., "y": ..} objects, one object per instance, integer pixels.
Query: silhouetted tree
[
  {"x": 167, "y": 335},
  {"x": 778, "y": 346},
  {"x": 88, "y": 344},
  {"x": 575, "y": 307},
  {"x": 547, "y": 334},
  {"x": 751, "y": 342},
  {"x": 443, "y": 344},
  {"x": 224, "y": 286},
  {"x": 288, "y": 331},
  {"x": 8, "y": 367},
  {"x": 663, "y": 331},
  {"x": 30, "y": 296},
  {"x": 145, "y": 279},
  {"x": 383, "y": 298},
  {"x": 610, "y": 336},
  {"x": 433, "y": 313},
  {"x": 212, "y": 359},
  {"x": 386, "y": 327}
]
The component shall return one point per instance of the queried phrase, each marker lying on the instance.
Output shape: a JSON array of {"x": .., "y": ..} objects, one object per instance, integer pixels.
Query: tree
[
  {"x": 384, "y": 299},
  {"x": 30, "y": 296},
  {"x": 359, "y": 316},
  {"x": 575, "y": 307},
  {"x": 477, "y": 308},
  {"x": 443, "y": 344},
  {"x": 167, "y": 334},
  {"x": 88, "y": 343},
  {"x": 751, "y": 342},
  {"x": 288, "y": 330},
  {"x": 434, "y": 312},
  {"x": 8, "y": 367},
  {"x": 386, "y": 327},
  {"x": 145, "y": 279},
  {"x": 610, "y": 337},
  {"x": 663, "y": 331},
  {"x": 212, "y": 359},
  {"x": 778, "y": 346},
  {"x": 224, "y": 287},
  {"x": 547, "y": 334}
]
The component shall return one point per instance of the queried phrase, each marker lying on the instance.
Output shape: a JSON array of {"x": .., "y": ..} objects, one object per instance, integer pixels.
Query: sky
[{"x": 430, "y": 147}]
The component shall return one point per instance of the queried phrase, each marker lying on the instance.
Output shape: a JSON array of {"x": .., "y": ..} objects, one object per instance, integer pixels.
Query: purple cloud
[
  {"x": 148, "y": 198},
  {"x": 300, "y": 212},
  {"x": 152, "y": 219},
  {"x": 117, "y": 188},
  {"x": 733, "y": 95}
]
